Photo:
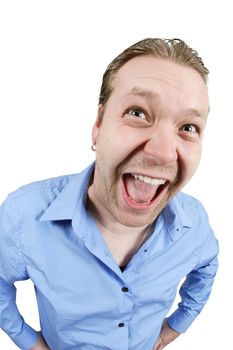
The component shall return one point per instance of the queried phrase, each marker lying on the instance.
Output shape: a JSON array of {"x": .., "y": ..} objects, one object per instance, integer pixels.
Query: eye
[
  {"x": 137, "y": 113},
  {"x": 191, "y": 128}
]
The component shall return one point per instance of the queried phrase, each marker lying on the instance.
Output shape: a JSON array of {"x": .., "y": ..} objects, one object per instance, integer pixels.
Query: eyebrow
[
  {"x": 152, "y": 94},
  {"x": 143, "y": 92}
]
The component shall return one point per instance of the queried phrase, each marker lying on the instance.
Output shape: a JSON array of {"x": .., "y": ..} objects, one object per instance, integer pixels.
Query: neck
[
  {"x": 122, "y": 241},
  {"x": 108, "y": 224}
]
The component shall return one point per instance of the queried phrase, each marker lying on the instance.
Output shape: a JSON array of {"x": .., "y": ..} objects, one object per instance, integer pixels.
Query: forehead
[{"x": 161, "y": 78}]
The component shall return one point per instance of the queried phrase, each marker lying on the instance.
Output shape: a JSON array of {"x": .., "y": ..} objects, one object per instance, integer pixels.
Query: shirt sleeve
[
  {"x": 196, "y": 288},
  {"x": 12, "y": 269}
]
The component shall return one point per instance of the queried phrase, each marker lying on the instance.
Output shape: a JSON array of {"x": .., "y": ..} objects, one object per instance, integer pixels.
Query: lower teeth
[{"x": 139, "y": 202}]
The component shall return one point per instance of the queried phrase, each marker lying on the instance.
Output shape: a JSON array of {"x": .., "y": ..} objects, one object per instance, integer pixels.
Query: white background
[{"x": 52, "y": 57}]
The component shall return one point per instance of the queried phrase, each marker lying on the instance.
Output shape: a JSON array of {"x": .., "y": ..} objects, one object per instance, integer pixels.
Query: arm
[
  {"x": 194, "y": 293},
  {"x": 196, "y": 288},
  {"x": 12, "y": 268}
]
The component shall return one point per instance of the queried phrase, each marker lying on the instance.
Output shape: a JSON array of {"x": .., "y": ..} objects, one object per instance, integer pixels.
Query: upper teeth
[{"x": 149, "y": 180}]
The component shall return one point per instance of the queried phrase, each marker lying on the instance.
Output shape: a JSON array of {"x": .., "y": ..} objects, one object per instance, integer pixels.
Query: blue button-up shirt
[{"x": 85, "y": 301}]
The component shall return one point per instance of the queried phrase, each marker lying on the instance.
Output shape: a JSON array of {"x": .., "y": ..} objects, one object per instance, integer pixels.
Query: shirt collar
[
  {"x": 176, "y": 218},
  {"x": 70, "y": 204},
  {"x": 74, "y": 194}
]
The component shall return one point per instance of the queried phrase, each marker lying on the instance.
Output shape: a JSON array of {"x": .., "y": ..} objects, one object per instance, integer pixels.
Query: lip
[{"x": 142, "y": 206}]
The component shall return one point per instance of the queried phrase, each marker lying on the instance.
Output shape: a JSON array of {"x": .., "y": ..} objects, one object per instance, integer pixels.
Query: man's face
[{"x": 148, "y": 144}]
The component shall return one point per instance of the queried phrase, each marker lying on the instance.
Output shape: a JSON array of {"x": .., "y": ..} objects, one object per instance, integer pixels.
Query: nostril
[{"x": 162, "y": 152}]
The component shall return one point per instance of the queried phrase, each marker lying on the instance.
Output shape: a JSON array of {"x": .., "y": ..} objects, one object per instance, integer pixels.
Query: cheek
[
  {"x": 110, "y": 150},
  {"x": 191, "y": 159},
  {"x": 118, "y": 142}
]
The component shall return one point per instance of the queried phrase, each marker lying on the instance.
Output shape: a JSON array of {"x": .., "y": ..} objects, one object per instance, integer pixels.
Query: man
[{"x": 107, "y": 248}]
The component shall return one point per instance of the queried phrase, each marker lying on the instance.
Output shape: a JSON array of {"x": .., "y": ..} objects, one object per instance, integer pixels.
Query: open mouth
[{"x": 142, "y": 192}]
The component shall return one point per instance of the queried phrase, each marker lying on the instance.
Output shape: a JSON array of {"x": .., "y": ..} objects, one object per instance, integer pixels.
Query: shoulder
[
  {"x": 191, "y": 205},
  {"x": 31, "y": 200},
  {"x": 37, "y": 195},
  {"x": 191, "y": 210},
  {"x": 51, "y": 184}
]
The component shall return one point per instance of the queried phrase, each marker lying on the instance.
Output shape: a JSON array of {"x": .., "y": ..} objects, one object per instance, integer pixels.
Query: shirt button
[
  {"x": 121, "y": 324},
  {"x": 125, "y": 289}
]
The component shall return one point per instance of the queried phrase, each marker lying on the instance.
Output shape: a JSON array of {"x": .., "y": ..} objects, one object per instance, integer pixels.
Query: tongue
[{"x": 139, "y": 191}]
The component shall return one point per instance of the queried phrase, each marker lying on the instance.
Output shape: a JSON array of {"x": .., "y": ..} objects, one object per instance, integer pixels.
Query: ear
[{"x": 98, "y": 122}]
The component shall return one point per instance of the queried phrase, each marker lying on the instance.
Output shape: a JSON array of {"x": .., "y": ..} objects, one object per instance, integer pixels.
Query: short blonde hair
[{"x": 174, "y": 49}]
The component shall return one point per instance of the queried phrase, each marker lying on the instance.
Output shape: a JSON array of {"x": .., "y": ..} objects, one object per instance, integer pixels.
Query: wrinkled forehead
[
  {"x": 160, "y": 70},
  {"x": 152, "y": 78}
]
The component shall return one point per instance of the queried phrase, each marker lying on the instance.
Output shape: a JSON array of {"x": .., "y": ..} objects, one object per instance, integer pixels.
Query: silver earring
[{"x": 93, "y": 147}]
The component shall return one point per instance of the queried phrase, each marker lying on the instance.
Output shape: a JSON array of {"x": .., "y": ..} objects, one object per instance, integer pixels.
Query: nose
[{"x": 162, "y": 146}]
